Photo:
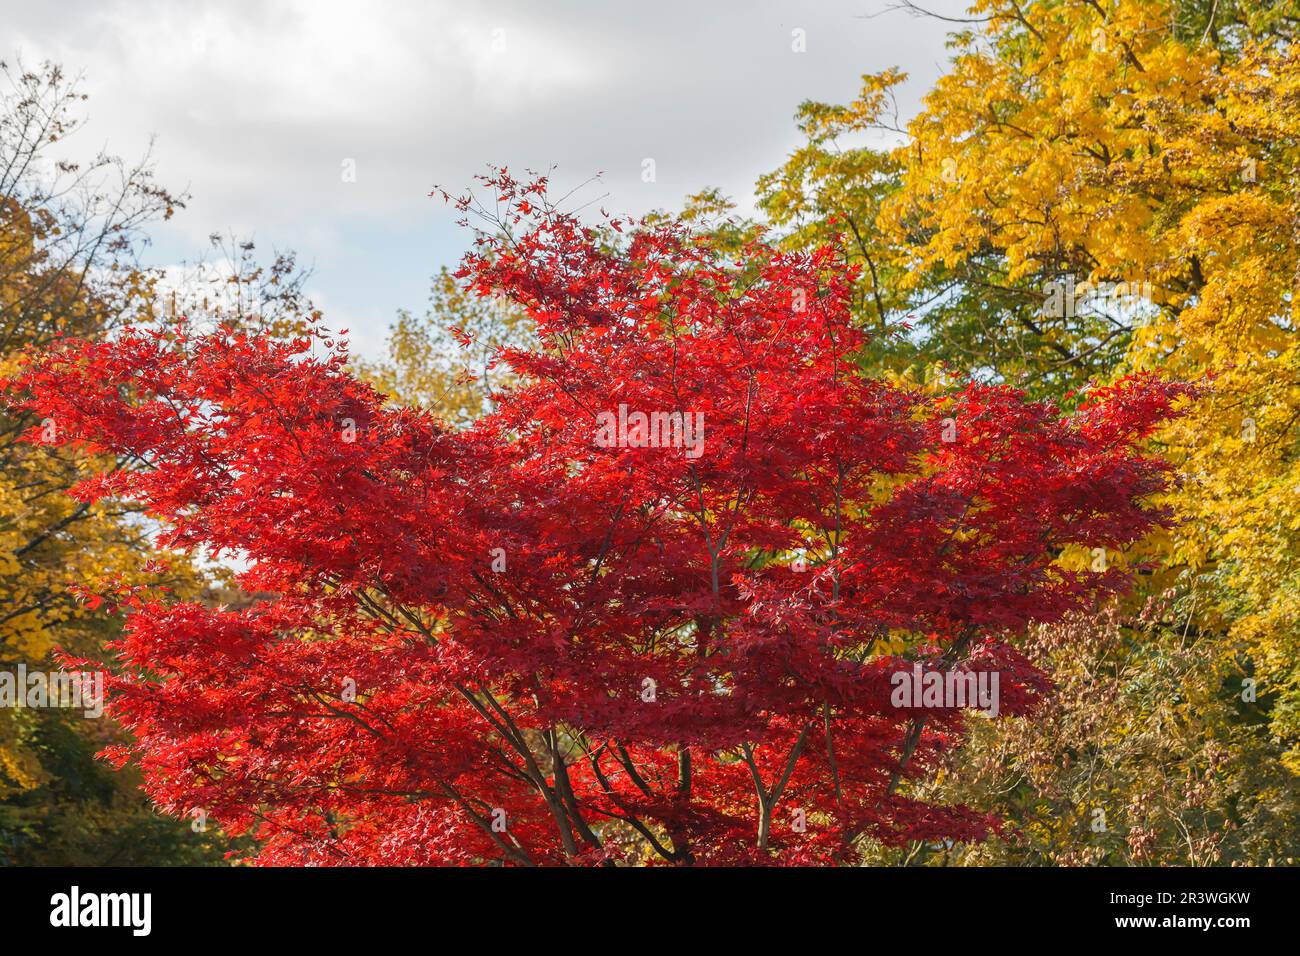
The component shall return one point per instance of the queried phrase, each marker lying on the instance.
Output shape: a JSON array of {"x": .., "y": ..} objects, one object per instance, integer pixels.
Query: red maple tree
[{"x": 571, "y": 634}]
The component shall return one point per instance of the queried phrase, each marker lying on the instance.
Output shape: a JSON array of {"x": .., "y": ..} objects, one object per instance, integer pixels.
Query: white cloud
[{"x": 257, "y": 104}]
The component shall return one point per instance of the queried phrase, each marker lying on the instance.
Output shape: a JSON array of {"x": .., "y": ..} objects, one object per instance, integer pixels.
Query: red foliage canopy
[{"x": 573, "y": 638}]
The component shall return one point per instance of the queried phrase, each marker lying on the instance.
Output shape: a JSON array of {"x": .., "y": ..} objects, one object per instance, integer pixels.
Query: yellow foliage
[
  {"x": 49, "y": 541},
  {"x": 1099, "y": 141}
]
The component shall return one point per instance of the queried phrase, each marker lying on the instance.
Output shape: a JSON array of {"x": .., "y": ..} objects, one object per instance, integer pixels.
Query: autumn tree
[{"x": 568, "y": 633}]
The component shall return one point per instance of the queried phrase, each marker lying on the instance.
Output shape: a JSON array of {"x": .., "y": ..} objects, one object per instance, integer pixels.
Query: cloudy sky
[{"x": 255, "y": 107}]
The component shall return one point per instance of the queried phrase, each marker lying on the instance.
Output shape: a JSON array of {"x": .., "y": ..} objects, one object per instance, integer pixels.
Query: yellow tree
[
  {"x": 68, "y": 238},
  {"x": 1116, "y": 161}
]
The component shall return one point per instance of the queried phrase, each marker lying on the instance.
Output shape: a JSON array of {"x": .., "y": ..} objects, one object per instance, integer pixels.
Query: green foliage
[{"x": 84, "y": 813}]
